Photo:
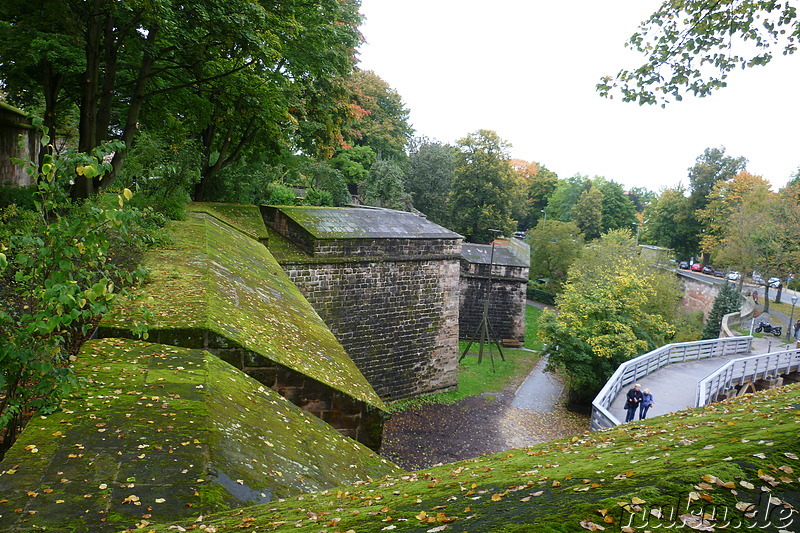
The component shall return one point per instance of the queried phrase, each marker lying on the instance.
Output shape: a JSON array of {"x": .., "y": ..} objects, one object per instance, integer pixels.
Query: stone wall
[
  {"x": 14, "y": 123},
  {"x": 507, "y": 297},
  {"x": 386, "y": 284},
  {"x": 698, "y": 295}
]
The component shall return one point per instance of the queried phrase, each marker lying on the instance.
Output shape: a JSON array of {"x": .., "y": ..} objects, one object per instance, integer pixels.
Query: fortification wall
[
  {"x": 698, "y": 295},
  {"x": 506, "y": 300},
  {"x": 13, "y": 124},
  {"x": 386, "y": 283}
]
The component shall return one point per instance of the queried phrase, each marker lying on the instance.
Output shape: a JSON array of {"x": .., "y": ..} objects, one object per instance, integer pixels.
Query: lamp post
[
  {"x": 790, "y": 327},
  {"x": 545, "y": 217}
]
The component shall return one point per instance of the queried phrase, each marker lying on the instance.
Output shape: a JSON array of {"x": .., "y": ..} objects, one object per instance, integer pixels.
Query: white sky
[{"x": 528, "y": 69}]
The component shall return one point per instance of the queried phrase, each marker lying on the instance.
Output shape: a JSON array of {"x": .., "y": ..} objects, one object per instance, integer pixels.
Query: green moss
[
  {"x": 227, "y": 284},
  {"x": 176, "y": 430},
  {"x": 719, "y": 455},
  {"x": 245, "y": 218}
]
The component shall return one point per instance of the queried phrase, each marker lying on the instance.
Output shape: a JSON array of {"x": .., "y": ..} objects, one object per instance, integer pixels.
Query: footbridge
[{"x": 692, "y": 374}]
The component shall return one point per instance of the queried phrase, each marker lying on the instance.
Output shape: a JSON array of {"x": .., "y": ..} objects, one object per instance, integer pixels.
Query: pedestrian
[
  {"x": 797, "y": 330},
  {"x": 633, "y": 402},
  {"x": 647, "y": 403},
  {"x": 755, "y": 297}
]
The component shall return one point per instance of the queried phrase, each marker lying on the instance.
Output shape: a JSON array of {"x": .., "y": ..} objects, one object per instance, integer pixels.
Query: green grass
[{"x": 532, "y": 340}]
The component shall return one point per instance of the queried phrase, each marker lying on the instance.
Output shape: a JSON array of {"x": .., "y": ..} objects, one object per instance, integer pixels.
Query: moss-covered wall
[
  {"x": 161, "y": 433},
  {"x": 391, "y": 301},
  {"x": 219, "y": 289}
]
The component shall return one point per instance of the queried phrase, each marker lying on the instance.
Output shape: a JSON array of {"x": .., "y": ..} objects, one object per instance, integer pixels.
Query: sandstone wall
[{"x": 506, "y": 300}]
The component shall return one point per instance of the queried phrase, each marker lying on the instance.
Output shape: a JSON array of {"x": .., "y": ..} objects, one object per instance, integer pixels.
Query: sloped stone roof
[
  {"x": 217, "y": 279},
  {"x": 161, "y": 433},
  {"x": 365, "y": 223},
  {"x": 507, "y": 252}
]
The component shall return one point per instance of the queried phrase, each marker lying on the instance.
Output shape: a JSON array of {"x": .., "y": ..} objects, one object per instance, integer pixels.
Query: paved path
[
  {"x": 541, "y": 391},
  {"x": 674, "y": 387}
]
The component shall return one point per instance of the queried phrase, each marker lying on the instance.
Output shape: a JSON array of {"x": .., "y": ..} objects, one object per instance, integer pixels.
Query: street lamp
[
  {"x": 545, "y": 217},
  {"x": 790, "y": 327}
]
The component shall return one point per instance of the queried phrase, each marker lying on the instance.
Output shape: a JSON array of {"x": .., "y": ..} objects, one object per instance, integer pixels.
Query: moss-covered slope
[
  {"x": 733, "y": 464},
  {"x": 216, "y": 279},
  {"x": 161, "y": 433}
]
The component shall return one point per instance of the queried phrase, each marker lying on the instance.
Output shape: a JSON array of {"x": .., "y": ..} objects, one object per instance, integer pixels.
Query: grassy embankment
[{"x": 731, "y": 465}]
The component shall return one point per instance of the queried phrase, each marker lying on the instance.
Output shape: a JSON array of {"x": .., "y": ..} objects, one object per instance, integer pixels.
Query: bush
[
  {"x": 538, "y": 295},
  {"x": 281, "y": 195},
  {"x": 22, "y": 197},
  {"x": 59, "y": 273}
]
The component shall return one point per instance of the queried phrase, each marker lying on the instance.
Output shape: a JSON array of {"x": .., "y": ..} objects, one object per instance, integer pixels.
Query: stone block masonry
[
  {"x": 509, "y": 277},
  {"x": 386, "y": 283}
]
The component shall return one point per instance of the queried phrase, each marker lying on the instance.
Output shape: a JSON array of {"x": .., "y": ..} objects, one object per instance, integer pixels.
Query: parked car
[
  {"x": 774, "y": 282},
  {"x": 719, "y": 273},
  {"x": 708, "y": 270},
  {"x": 683, "y": 265},
  {"x": 697, "y": 267},
  {"x": 757, "y": 279},
  {"x": 734, "y": 275}
]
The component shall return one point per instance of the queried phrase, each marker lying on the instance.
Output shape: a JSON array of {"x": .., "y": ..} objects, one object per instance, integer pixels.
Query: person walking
[
  {"x": 634, "y": 400},
  {"x": 797, "y": 330},
  {"x": 647, "y": 403}
]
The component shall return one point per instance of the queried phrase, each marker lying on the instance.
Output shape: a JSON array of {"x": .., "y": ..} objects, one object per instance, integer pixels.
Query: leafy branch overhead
[{"x": 691, "y": 46}]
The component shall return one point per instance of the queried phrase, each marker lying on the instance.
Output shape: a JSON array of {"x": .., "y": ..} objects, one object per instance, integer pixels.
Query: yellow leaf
[
  {"x": 496, "y": 497},
  {"x": 127, "y": 193},
  {"x": 637, "y": 501}
]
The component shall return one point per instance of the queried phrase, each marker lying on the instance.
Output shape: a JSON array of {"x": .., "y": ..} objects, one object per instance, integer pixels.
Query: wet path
[{"x": 541, "y": 391}]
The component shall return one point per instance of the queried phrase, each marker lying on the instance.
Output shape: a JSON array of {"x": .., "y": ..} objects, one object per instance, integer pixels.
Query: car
[
  {"x": 719, "y": 273},
  {"x": 774, "y": 282},
  {"x": 697, "y": 267},
  {"x": 757, "y": 279},
  {"x": 707, "y": 270},
  {"x": 683, "y": 265},
  {"x": 734, "y": 275}
]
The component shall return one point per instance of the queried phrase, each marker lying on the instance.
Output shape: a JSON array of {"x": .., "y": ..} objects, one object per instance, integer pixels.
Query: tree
[
  {"x": 641, "y": 197},
  {"x": 619, "y": 212},
  {"x": 669, "y": 223},
  {"x": 239, "y": 67},
  {"x": 692, "y": 45},
  {"x": 430, "y": 177},
  {"x": 609, "y": 312},
  {"x": 480, "y": 199},
  {"x": 588, "y": 212},
  {"x": 562, "y": 202},
  {"x": 728, "y": 300},
  {"x": 724, "y": 198},
  {"x": 554, "y": 247},
  {"x": 541, "y": 185},
  {"x": 382, "y": 123},
  {"x": 384, "y": 186}
]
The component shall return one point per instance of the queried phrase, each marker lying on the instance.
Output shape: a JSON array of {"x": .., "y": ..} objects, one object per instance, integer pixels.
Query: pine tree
[{"x": 728, "y": 300}]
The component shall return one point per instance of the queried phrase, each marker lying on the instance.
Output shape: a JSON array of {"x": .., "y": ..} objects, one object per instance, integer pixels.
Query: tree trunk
[{"x": 87, "y": 129}]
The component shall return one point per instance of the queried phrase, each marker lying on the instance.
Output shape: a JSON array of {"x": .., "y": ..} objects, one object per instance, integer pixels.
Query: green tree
[
  {"x": 480, "y": 198},
  {"x": 240, "y": 67},
  {"x": 430, "y": 177},
  {"x": 641, "y": 197},
  {"x": 554, "y": 247},
  {"x": 541, "y": 185},
  {"x": 384, "y": 186},
  {"x": 669, "y": 223},
  {"x": 619, "y": 212},
  {"x": 562, "y": 201},
  {"x": 692, "y": 45},
  {"x": 610, "y": 311},
  {"x": 588, "y": 212},
  {"x": 728, "y": 300},
  {"x": 354, "y": 163}
]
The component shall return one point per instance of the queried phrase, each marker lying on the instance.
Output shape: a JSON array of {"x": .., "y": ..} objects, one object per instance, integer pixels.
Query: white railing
[
  {"x": 746, "y": 369},
  {"x": 633, "y": 370}
]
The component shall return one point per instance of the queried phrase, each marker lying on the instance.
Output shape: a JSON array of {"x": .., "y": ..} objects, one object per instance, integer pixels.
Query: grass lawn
[{"x": 475, "y": 379}]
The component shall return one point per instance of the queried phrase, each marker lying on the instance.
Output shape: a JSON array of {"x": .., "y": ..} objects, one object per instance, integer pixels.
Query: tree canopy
[{"x": 691, "y": 46}]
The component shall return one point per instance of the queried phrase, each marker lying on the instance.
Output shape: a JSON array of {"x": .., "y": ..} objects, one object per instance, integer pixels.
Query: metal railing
[
  {"x": 747, "y": 369},
  {"x": 633, "y": 370}
]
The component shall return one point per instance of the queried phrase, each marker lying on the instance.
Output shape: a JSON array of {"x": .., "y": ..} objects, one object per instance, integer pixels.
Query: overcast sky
[{"x": 528, "y": 69}]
